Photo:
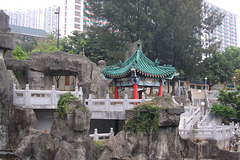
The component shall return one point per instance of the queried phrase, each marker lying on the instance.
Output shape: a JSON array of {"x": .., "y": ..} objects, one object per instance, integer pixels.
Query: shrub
[
  {"x": 62, "y": 105},
  {"x": 144, "y": 120}
]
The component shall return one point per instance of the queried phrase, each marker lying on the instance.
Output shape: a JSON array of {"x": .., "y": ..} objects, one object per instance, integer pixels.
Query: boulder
[
  {"x": 37, "y": 145},
  {"x": 69, "y": 138},
  {"x": 21, "y": 121},
  {"x": 6, "y": 83}
]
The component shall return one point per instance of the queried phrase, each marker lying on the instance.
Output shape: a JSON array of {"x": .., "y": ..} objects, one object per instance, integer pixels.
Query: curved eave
[{"x": 146, "y": 74}]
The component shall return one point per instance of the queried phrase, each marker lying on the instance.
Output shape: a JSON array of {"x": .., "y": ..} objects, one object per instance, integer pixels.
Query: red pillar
[
  {"x": 160, "y": 90},
  {"x": 140, "y": 95},
  {"x": 116, "y": 92},
  {"x": 135, "y": 90}
]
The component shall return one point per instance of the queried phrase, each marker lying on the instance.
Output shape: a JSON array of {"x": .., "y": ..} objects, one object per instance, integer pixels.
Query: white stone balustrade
[
  {"x": 40, "y": 99},
  {"x": 100, "y": 108},
  {"x": 112, "y": 104},
  {"x": 218, "y": 132},
  {"x": 96, "y": 136}
]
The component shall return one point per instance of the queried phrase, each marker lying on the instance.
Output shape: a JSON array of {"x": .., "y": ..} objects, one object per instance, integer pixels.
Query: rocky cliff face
[
  {"x": 69, "y": 138},
  {"x": 41, "y": 67},
  {"x": 6, "y": 83}
]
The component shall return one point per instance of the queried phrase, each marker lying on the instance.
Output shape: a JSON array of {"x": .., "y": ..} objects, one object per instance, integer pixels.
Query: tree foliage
[
  {"x": 47, "y": 44},
  {"x": 217, "y": 69},
  {"x": 169, "y": 30},
  {"x": 221, "y": 67},
  {"x": 228, "y": 104},
  {"x": 18, "y": 53},
  {"x": 26, "y": 43},
  {"x": 232, "y": 54},
  {"x": 79, "y": 42}
]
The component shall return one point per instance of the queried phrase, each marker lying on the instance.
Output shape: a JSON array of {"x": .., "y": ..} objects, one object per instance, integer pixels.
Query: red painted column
[
  {"x": 160, "y": 89},
  {"x": 116, "y": 92},
  {"x": 135, "y": 90}
]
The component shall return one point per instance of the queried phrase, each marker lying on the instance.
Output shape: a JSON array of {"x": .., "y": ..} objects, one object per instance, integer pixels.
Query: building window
[
  {"x": 192, "y": 86},
  {"x": 199, "y": 87},
  {"x": 77, "y": 19},
  {"x": 77, "y": 13},
  {"x": 77, "y": 7},
  {"x": 77, "y": 26},
  {"x": 78, "y": 1}
]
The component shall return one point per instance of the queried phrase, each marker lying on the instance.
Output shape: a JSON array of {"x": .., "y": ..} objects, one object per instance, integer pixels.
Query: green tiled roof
[{"x": 143, "y": 66}]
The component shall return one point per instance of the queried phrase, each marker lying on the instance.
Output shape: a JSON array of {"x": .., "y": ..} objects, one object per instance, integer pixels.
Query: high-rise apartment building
[
  {"x": 71, "y": 16},
  {"x": 227, "y": 32},
  {"x": 39, "y": 19}
]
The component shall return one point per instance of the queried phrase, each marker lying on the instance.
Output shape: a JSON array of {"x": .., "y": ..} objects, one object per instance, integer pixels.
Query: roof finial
[{"x": 138, "y": 46}]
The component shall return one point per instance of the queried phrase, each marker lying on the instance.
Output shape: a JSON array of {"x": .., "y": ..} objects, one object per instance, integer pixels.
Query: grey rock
[
  {"x": 6, "y": 82},
  {"x": 41, "y": 67},
  {"x": 132, "y": 48},
  {"x": 69, "y": 138},
  {"x": 20, "y": 124},
  {"x": 37, "y": 145}
]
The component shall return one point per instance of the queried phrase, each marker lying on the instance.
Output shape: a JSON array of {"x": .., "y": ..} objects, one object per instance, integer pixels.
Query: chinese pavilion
[{"x": 138, "y": 72}]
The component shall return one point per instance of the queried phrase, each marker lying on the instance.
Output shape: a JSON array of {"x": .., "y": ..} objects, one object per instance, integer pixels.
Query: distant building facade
[
  {"x": 44, "y": 19},
  {"x": 73, "y": 16},
  {"x": 227, "y": 32}
]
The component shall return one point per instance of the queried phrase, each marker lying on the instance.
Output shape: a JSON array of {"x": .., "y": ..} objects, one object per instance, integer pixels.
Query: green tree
[
  {"x": 217, "y": 69},
  {"x": 26, "y": 43},
  {"x": 236, "y": 78},
  {"x": 228, "y": 104},
  {"x": 18, "y": 53},
  {"x": 79, "y": 42},
  {"x": 47, "y": 44},
  {"x": 232, "y": 54},
  {"x": 170, "y": 30}
]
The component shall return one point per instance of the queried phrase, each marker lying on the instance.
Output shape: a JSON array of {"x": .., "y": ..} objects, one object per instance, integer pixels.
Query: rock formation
[
  {"x": 6, "y": 44},
  {"x": 69, "y": 138},
  {"x": 132, "y": 49},
  {"x": 163, "y": 144},
  {"x": 20, "y": 122},
  {"x": 41, "y": 67}
]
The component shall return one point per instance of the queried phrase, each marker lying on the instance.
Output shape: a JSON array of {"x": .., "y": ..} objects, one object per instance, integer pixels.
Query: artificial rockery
[{"x": 151, "y": 133}]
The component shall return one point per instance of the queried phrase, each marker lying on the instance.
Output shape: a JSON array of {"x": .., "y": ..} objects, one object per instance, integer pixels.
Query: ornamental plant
[
  {"x": 228, "y": 105},
  {"x": 145, "y": 119},
  {"x": 63, "y": 104}
]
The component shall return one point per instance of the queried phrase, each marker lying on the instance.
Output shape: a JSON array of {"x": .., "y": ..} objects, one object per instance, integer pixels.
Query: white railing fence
[
  {"x": 218, "y": 132},
  {"x": 41, "y": 99},
  {"x": 113, "y": 104},
  {"x": 96, "y": 136}
]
